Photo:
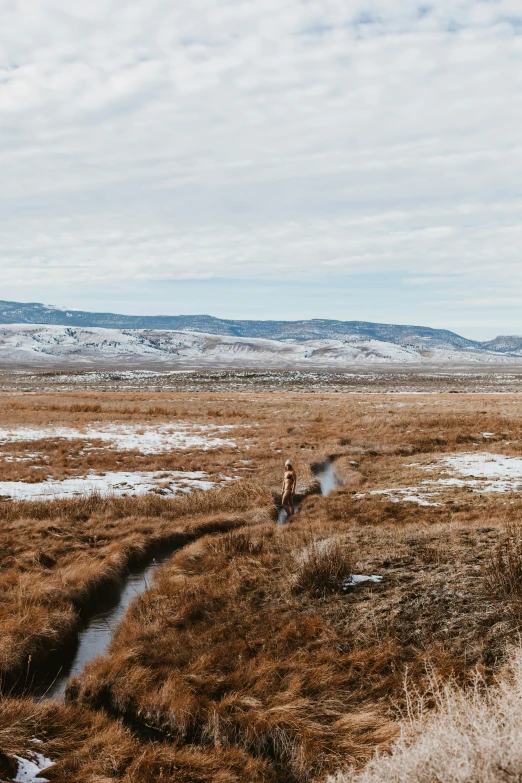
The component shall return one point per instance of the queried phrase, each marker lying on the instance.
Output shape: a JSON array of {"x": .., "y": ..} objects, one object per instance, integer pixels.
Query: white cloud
[{"x": 260, "y": 139}]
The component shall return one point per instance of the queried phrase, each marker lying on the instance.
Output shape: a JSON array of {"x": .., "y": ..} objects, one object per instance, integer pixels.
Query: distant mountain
[
  {"x": 417, "y": 337},
  {"x": 51, "y": 346},
  {"x": 504, "y": 344},
  {"x": 78, "y": 336}
]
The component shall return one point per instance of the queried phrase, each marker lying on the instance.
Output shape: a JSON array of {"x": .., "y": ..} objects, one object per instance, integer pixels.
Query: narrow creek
[
  {"x": 328, "y": 480},
  {"x": 327, "y": 477},
  {"x": 96, "y": 635}
]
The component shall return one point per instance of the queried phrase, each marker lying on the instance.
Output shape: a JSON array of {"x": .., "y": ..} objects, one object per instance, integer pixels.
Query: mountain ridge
[
  {"x": 51, "y": 346},
  {"x": 408, "y": 336}
]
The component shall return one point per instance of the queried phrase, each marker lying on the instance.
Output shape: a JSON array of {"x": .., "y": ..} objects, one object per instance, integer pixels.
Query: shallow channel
[
  {"x": 328, "y": 480},
  {"x": 95, "y": 638},
  {"x": 327, "y": 477}
]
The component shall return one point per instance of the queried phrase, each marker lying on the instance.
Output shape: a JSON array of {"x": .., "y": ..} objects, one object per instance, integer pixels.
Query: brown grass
[
  {"x": 245, "y": 660},
  {"x": 239, "y": 645},
  {"x": 473, "y": 736},
  {"x": 324, "y": 567},
  {"x": 88, "y": 747},
  {"x": 503, "y": 570},
  {"x": 224, "y": 654},
  {"x": 55, "y": 556}
]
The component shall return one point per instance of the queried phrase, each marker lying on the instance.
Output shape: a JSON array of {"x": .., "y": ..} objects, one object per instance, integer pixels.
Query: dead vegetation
[
  {"x": 55, "y": 557},
  {"x": 248, "y": 641},
  {"x": 324, "y": 566},
  {"x": 247, "y": 660},
  {"x": 224, "y": 653},
  {"x": 472, "y": 736},
  {"x": 88, "y": 747},
  {"x": 503, "y": 570}
]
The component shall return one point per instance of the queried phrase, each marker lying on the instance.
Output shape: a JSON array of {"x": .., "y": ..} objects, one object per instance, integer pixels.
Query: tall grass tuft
[
  {"x": 323, "y": 567},
  {"x": 472, "y": 737},
  {"x": 503, "y": 571}
]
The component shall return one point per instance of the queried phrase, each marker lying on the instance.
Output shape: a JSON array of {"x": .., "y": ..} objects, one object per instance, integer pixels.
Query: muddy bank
[{"x": 42, "y": 672}]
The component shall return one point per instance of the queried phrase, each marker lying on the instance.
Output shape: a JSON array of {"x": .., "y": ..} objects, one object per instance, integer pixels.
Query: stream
[
  {"x": 328, "y": 480},
  {"x": 95, "y": 638},
  {"x": 327, "y": 477}
]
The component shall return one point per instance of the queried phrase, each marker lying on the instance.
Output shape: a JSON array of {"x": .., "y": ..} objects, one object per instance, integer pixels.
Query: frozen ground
[
  {"x": 486, "y": 466},
  {"x": 479, "y": 472},
  {"x": 112, "y": 484},
  {"x": 392, "y": 378},
  {"x": 146, "y": 439},
  {"x": 358, "y": 579},
  {"x": 29, "y": 769},
  {"x": 51, "y": 346}
]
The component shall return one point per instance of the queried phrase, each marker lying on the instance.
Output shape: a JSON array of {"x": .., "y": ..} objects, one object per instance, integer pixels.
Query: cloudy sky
[{"x": 265, "y": 158}]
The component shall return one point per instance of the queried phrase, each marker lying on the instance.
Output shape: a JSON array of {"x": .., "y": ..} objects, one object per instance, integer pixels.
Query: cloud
[{"x": 161, "y": 141}]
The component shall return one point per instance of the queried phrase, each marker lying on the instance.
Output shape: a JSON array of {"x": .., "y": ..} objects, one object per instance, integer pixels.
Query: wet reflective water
[
  {"x": 283, "y": 517},
  {"x": 95, "y": 638},
  {"x": 328, "y": 480}
]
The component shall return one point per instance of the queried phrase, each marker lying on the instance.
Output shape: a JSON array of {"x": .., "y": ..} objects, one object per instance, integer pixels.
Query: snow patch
[
  {"x": 417, "y": 495},
  {"x": 146, "y": 439},
  {"x": 485, "y": 465},
  {"x": 113, "y": 484},
  {"x": 29, "y": 768},
  {"x": 482, "y": 473},
  {"x": 26, "y": 458},
  {"x": 357, "y": 579}
]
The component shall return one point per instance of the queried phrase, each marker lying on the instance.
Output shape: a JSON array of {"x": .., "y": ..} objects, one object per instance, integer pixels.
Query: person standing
[{"x": 288, "y": 488}]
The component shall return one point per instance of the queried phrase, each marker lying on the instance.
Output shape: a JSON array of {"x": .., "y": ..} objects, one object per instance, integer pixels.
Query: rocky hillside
[
  {"x": 49, "y": 346},
  {"x": 417, "y": 337}
]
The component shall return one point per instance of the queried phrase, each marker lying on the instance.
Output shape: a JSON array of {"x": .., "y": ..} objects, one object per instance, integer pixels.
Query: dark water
[{"x": 95, "y": 638}]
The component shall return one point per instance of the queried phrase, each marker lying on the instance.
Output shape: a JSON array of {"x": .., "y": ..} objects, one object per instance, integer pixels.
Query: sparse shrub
[
  {"x": 503, "y": 572},
  {"x": 323, "y": 568},
  {"x": 472, "y": 737}
]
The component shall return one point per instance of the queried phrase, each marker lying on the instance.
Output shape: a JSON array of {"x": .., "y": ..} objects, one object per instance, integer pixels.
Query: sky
[{"x": 352, "y": 159}]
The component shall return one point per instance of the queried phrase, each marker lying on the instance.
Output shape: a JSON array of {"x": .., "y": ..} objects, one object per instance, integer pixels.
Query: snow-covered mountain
[
  {"x": 50, "y": 346},
  {"x": 416, "y": 337}
]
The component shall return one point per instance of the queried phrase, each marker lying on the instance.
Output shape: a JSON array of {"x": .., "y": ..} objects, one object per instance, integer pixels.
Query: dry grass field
[{"x": 253, "y": 656}]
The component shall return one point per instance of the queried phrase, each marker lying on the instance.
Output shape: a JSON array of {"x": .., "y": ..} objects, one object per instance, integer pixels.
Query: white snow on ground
[
  {"x": 28, "y": 769},
  {"x": 485, "y": 465},
  {"x": 482, "y": 472},
  {"x": 147, "y": 439},
  {"x": 115, "y": 484},
  {"x": 408, "y": 494},
  {"x": 357, "y": 579},
  {"x": 26, "y": 458},
  {"x": 46, "y": 345}
]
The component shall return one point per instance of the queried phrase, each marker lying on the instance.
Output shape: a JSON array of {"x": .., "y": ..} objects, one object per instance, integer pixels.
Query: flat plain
[{"x": 253, "y": 654}]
